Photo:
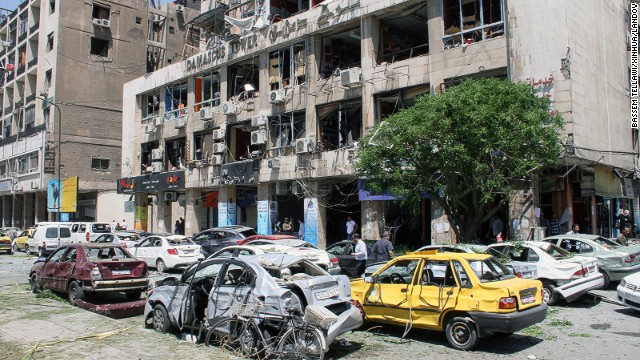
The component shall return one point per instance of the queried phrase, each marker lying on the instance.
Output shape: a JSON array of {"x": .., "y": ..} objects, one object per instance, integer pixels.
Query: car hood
[{"x": 633, "y": 279}]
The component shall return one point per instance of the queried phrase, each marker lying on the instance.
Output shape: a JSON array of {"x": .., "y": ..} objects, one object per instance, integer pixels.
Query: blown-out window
[{"x": 469, "y": 21}]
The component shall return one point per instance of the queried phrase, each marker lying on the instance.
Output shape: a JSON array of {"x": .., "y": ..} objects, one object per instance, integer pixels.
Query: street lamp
[{"x": 59, "y": 144}]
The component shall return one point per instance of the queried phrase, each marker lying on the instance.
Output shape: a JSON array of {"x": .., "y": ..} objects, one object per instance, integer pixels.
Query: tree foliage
[{"x": 467, "y": 147}]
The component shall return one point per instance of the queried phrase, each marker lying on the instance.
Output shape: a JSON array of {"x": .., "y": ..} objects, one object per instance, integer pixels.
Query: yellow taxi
[
  {"x": 20, "y": 242},
  {"x": 5, "y": 243},
  {"x": 468, "y": 296}
]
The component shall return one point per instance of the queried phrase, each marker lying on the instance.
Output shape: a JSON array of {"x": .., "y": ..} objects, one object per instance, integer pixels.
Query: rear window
[
  {"x": 490, "y": 270},
  {"x": 51, "y": 233},
  {"x": 101, "y": 228},
  {"x": 248, "y": 233},
  {"x": 106, "y": 254},
  {"x": 65, "y": 232},
  {"x": 183, "y": 241}
]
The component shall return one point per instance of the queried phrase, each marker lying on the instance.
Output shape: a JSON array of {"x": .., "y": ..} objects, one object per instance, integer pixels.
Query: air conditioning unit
[
  {"x": 350, "y": 77},
  {"x": 217, "y": 160},
  {"x": 273, "y": 163},
  {"x": 229, "y": 108},
  {"x": 179, "y": 9},
  {"x": 180, "y": 122},
  {"x": 157, "y": 154},
  {"x": 296, "y": 188},
  {"x": 97, "y": 22},
  {"x": 206, "y": 113},
  {"x": 169, "y": 196},
  {"x": 258, "y": 137},
  {"x": 283, "y": 188},
  {"x": 218, "y": 134},
  {"x": 276, "y": 96},
  {"x": 258, "y": 120},
  {"x": 101, "y": 22},
  {"x": 157, "y": 167},
  {"x": 148, "y": 129},
  {"x": 106, "y": 23},
  {"x": 303, "y": 146},
  {"x": 157, "y": 121},
  {"x": 219, "y": 148}
]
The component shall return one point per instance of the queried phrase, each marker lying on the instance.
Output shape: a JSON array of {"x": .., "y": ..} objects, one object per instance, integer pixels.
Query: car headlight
[{"x": 623, "y": 283}]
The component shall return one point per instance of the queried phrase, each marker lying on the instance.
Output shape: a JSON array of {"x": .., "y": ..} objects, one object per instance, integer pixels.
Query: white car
[
  {"x": 128, "y": 240},
  {"x": 294, "y": 247},
  {"x": 167, "y": 251},
  {"x": 49, "y": 237},
  {"x": 629, "y": 291},
  {"x": 562, "y": 274}
]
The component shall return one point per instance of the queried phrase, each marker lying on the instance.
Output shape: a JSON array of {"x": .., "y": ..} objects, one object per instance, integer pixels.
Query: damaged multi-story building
[
  {"x": 264, "y": 122},
  {"x": 64, "y": 64}
]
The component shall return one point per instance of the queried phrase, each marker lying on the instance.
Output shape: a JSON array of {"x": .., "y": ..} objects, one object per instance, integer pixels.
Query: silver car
[
  {"x": 614, "y": 261},
  {"x": 208, "y": 290}
]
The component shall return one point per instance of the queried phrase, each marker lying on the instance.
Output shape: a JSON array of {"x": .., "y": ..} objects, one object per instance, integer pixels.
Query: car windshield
[
  {"x": 557, "y": 252},
  {"x": 100, "y": 228},
  {"x": 248, "y": 232},
  {"x": 606, "y": 242},
  {"x": 106, "y": 254},
  {"x": 490, "y": 270},
  {"x": 183, "y": 241}
]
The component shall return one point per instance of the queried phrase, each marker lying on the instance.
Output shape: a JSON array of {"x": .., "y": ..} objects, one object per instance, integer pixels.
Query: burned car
[
  {"x": 207, "y": 291},
  {"x": 84, "y": 269}
]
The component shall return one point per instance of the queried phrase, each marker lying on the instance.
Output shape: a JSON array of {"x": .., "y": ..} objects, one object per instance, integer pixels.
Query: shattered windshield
[
  {"x": 557, "y": 252},
  {"x": 106, "y": 254},
  {"x": 490, "y": 270},
  {"x": 295, "y": 271},
  {"x": 610, "y": 244},
  {"x": 183, "y": 241}
]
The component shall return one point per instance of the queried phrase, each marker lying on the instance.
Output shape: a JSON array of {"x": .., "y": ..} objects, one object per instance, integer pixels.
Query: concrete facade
[
  {"x": 287, "y": 181},
  {"x": 76, "y": 55}
]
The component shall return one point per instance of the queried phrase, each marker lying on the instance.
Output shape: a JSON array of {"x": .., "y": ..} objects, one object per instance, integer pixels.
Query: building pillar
[
  {"x": 26, "y": 204},
  {"x": 369, "y": 49},
  {"x": 569, "y": 200},
  {"x": 162, "y": 212},
  {"x": 191, "y": 212},
  {"x": 13, "y": 209},
  {"x": 372, "y": 219},
  {"x": 227, "y": 212},
  {"x": 594, "y": 215},
  {"x": 267, "y": 209},
  {"x": 315, "y": 218}
]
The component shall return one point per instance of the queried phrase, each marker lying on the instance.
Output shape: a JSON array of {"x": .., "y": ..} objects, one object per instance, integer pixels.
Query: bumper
[
  {"x": 617, "y": 273},
  {"x": 181, "y": 261},
  {"x": 4, "y": 247},
  {"x": 629, "y": 298},
  {"x": 347, "y": 321},
  {"x": 579, "y": 287},
  {"x": 489, "y": 323},
  {"x": 117, "y": 285},
  {"x": 116, "y": 311}
]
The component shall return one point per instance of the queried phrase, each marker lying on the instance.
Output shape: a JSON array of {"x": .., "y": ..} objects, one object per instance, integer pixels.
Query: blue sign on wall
[{"x": 64, "y": 217}]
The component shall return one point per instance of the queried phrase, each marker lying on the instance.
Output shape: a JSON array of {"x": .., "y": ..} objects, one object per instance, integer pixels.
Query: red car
[
  {"x": 87, "y": 269},
  {"x": 264, "y": 237}
]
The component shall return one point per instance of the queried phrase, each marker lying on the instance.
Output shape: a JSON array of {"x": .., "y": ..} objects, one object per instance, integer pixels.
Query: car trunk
[
  {"x": 115, "y": 270},
  {"x": 186, "y": 250},
  {"x": 528, "y": 295}
]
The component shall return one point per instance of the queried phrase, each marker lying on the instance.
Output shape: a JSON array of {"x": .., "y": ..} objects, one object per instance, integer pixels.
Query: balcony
[
  {"x": 30, "y": 98},
  {"x": 34, "y": 28},
  {"x": 10, "y": 76},
  {"x": 2, "y": 52},
  {"x": 28, "y": 131},
  {"x": 22, "y": 36},
  {"x": 20, "y": 70},
  {"x": 33, "y": 62},
  {"x": 8, "y": 109},
  {"x": 18, "y": 104},
  {"x": 23, "y": 4},
  {"x": 8, "y": 140}
]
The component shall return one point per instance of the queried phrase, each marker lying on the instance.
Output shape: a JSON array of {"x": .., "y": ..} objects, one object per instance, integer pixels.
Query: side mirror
[
  {"x": 368, "y": 279},
  {"x": 42, "y": 259}
]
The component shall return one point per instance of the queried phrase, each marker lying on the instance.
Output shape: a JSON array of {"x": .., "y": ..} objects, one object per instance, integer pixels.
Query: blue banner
[
  {"x": 54, "y": 196},
  {"x": 311, "y": 220},
  {"x": 263, "y": 217}
]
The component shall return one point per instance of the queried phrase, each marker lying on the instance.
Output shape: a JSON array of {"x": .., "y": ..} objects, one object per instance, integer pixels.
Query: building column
[
  {"x": 227, "y": 211},
  {"x": 315, "y": 218},
  {"x": 191, "y": 223},
  {"x": 594, "y": 215},
  {"x": 372, "y": 219},
  {"x": 162, "y": 212},
  {"x": 267, "y": 209},
  {"x": 13, "y": 209}
]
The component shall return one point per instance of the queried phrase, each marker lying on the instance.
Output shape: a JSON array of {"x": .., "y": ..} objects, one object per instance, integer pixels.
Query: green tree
[{"x": 466, "y": 147}]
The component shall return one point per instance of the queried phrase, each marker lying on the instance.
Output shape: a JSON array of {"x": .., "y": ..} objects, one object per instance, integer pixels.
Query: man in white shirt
[
  {"x": 360, "y": 253},
  {"x": 351, "y": 226},
  {"x": 575, "y": 229},
  {"x": 123, "y": 226}
]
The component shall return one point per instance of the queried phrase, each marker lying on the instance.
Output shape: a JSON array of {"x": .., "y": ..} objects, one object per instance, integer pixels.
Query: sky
[{"x": 10, "y": 4}]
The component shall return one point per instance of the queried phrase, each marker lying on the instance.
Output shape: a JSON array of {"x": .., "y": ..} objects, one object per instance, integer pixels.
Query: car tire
[
  {"x": 161, "y": 267},
  {"x": 26, "y": 249},
  {"x": 462, "y": 333},
  {"x": 14, "y": 247},
  {"x": 607, "y": 280},
  {"x": 33, "y": 283},
  {"x": 75, "y": 293},
  {"x": 10, "y": 251},
  {"x": 133, "y": 295},
  {"x": 549, "y": 296},
  {"x": 160, "y": 318}
]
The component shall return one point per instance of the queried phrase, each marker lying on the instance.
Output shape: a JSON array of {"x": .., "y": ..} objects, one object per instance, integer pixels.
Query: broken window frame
[
  {"x": 287, "y": 64},
  {"x": 175, "y": 100},
  {"x": 283, "y": 130},
  {"x": 29, "y": 117},
  {"x": 145, "y": 155},
  {"x": 339, "y": 138},
  {"x": 341, "y": 58},
  {"x": 93, "y": 46},
  {"x": 202, "y": 145},
  {"x": 236, "y": 83},
  {"x": 397, "y": 46},
  {"x": 99, "y": 164},
  {"x": 458, "y": 32},
  {"x": 405, "y": 97},
  {"x": 207, "y": 95},
  {"x": 7, "y": 124},
  {"x": 175, "y": 154},
  {"x": 101, "y": 11},
  {"x": 150, "y": 109}
]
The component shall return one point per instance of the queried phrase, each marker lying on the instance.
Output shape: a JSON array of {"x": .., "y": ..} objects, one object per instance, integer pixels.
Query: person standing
[
  {"x": 623, "y": 238},
  {"x": 300, "y": 229},
  {"x": 113, "y": 226},
  {"x": 123, "y": 226},
  {"x": 181, "y": 226},
  {"x": 383, "y": 249},
  {"x": 287, "y": 227},
  {"x": 351, "y": 226},
  {"x": 360, "y": 254},
  {"x": 496, "y": 227},
  {"x": 554, "y": 225},
  {"x": 575, "y": 229},
  {"x": 176, "y": 228}
]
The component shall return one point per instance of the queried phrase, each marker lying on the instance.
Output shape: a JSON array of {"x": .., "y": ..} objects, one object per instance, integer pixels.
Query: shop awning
[{"x": 607, "y": 183}]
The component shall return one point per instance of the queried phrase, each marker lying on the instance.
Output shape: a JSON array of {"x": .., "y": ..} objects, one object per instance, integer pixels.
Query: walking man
[
  {"x": 383, "y": 249},
  {"x": 351, "y": 226},
  {"x": 360, "y": 253}
]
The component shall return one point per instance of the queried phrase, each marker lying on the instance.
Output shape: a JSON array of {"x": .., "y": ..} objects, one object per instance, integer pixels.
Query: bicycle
[{"x": 264, "y": 336}]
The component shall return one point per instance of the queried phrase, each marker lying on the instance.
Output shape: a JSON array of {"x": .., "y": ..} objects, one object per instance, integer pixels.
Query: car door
[
  {"x": 48, "y": 272},
  {"x": 74, "y": 232},
  {"x": 342, "y": 251},
  {"x": 434, "y": 293},
  {"x": 65, "y": 268},
  {"x": 388, "y": 297},
  {"x": 142, "y": 250},
  {"x": 206, "y": 242},
  {"x": 232, "y": 289}
]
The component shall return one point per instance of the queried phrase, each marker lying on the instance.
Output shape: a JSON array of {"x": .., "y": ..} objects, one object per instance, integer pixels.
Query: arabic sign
[
  {"x": 65, "y": 199},
  {"x": 151, "y": 183},
  {"x": 311, "y": 220}
]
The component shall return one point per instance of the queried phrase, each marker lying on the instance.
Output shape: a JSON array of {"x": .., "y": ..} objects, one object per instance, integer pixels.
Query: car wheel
[
  {"x": 33, "y": 282},
  {"x": 160, "y": 319},
  {"x": 10, "y": 251},
  {"x": 26, "y": 249},
  {"x": 462, "y": 333},
  {"x": 75, "y": 293},
  {"x": 607, "y": 281},
  {"x": 548, "y": 294},
  {"x": 133, "y": 295},
  {"x": 161, "y": 266},
  {"x": 14, "y": 247}
]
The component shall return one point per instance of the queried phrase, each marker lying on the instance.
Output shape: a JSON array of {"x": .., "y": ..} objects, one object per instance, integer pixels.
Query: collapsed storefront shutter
[{"x": 607, "y": 183}]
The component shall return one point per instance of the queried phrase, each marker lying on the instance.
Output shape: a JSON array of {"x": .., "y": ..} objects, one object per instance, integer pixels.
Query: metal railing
[
  {"x": 34, "y": 27},
  {"x": 33, "y": 62}
]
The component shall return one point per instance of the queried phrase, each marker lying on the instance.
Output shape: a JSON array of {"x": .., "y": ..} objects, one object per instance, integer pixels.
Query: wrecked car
[
  {"x": 563, "y": 275},
  {"x": 206, "y": 291},
  {"x": 614, "y": 261},
  {"x": 468, "y": 296},
  {"x": 167, "y": 251},
  {"x": 83, "y": 270},
  {"x": 629, "y": 291}
]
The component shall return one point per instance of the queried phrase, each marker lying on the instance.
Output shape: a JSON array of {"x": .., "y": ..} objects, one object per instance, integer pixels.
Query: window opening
[
  {"x": 145, "y": 155},
  {"x": 174, "y": 154},
  {"x": 100, "y": 12},
  {"x": 244, "y": 80},
  {"x": 287, "y": 67},
  {"x": 392, "y": 102},
  {"x": 99, "y": 164},
  {"x": 202, "y": 145},
  {"x": 207, "y": 90},
  {"x": 404, "y": 36},
  {"x": 469, "y": 21},
  {"x": 284, "y": 129},
  {"x": 150, "y": 105},
  {"x": 340, "y": 51},
  {"x": 49, "y": 42},
  {"x": 175, "y": 101},
  {"x": 6, "y": 128},
  {"x": 99, "y": 47},
  {"x": 52, "y": 6},
  {"x": 29, "y": 117},
  {"x": 340, "y": 124}
]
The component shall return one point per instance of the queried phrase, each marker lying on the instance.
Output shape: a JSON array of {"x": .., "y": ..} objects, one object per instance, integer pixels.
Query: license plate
[
  {"x": 527, "y": 296},
  {"x": 327, "y": 294},
  {"x": 187, "y": 251},
  {"x": 121, "y": 272}
]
